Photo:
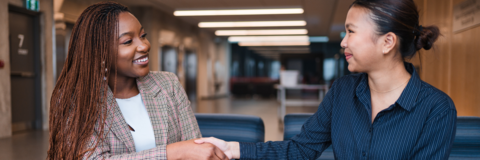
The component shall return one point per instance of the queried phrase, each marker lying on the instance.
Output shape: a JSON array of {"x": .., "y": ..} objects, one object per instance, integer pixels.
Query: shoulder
[
  {"x": 161, "y": 77},
  {"x": 439, "y": 102},
  {"x": 155, "y": 81}
]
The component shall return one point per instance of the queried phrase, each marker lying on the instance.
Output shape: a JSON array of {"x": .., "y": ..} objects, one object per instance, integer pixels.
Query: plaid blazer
[{"x": 169, "y": 111}]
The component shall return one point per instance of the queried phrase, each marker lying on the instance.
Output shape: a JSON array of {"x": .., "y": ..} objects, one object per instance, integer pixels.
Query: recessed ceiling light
[
  {"x": 278, "y": 39},
  {"x": 251, "y": 24},
  {"x": 268, "y": 38},
  {"x": 261, "y": 32},
  {"x": 281, "y": 52},
  {"x": 280, "y": 48},
  {"x": 238, "y": 12},
  {"x": 274, "y": 43}
]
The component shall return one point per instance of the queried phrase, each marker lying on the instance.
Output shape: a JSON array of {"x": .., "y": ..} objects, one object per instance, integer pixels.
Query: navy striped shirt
[{"x": 420, "y": 125}]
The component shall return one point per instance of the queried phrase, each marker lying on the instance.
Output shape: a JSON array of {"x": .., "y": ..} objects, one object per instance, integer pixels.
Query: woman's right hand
[
  {"x": 190, "y": 150},
  {"x": 231, "y": 149}
]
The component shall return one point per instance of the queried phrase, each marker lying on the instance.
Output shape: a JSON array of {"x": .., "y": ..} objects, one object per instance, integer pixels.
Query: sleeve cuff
[
  {"x": 247, "y": 151},
  {"x": 160, "y": 152}
]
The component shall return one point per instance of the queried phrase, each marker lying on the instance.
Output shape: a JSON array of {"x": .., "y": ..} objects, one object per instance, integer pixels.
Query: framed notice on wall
[{"x": 466, "y": 14}]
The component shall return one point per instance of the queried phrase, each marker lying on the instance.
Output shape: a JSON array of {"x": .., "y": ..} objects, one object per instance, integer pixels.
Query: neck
[
  {"x": 389, "y": 77},
  {"x": 125, "y": 87}
]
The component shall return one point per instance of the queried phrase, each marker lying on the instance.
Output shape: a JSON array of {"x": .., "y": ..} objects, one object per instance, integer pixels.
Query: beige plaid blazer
[{"x": 170, "y": 113}]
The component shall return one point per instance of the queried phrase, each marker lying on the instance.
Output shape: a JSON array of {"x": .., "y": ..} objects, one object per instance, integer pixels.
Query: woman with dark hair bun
[
  {"x": 384, "y": 112},
  {"x": 108, "y": 105}
]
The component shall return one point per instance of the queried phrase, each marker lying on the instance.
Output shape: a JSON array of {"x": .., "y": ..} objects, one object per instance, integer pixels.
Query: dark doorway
[
  {"x": 25, "y": 69},
  {"x": 169, "y": 59},
  {"x": 190, "y": 64}
]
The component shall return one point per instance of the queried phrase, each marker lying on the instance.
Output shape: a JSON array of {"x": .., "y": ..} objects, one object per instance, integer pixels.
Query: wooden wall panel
[
  {"x": 466, "y": 70},
  {"x": 436, "y": 62},
  {"x": 453, "y": 66}
]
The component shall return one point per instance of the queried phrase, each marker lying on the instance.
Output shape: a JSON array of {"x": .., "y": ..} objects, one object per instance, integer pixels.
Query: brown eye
[{"x": 127, "y": 42}]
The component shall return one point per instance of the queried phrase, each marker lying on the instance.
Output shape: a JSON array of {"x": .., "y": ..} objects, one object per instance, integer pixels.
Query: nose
[
  {"x": 144, "y": 46},
  {"x": 343, "y": 44}
]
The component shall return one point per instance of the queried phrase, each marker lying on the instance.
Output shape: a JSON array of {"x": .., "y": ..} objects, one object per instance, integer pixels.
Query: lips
[
  {"x": 143, "y": 60},
  {"x": 348, "y": 55}
]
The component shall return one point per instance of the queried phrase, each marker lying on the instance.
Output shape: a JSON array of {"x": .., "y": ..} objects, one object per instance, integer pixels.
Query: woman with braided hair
[
  {"x": 108, "y": 105},
  {"x": 385, "y": 111}
]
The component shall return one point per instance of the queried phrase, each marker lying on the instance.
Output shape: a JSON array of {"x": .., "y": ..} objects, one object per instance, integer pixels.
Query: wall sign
[
  {"x": 20, "y": 50},
  {"x": 33, "y": 5},
  {"x": 466, "y": 14}
]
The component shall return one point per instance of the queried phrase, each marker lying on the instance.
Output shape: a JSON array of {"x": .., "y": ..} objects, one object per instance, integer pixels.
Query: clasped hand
[
  {"x": 230, "y": 149},
  {"x": 203, "y": 149}
]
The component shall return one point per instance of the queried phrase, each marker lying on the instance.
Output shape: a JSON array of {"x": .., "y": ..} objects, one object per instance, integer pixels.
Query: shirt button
[
  {"x": 370, "y": 130},
  {"x": 364, "y": 153}
]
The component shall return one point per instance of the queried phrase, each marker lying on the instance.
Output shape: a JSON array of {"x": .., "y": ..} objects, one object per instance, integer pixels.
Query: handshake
[{"x": 204, "y": 148}]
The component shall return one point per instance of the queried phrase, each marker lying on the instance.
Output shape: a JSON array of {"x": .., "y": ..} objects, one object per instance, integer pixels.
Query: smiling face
[
  {"x": 133, "y": 47},
  {"x": 362, "y": 47}
]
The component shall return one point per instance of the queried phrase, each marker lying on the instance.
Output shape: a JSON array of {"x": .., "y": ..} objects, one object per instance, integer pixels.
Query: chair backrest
[
  {"x": 467, "y": 139},
  {"x": 293, "y": 124},
  {"x": 231, "y": 127}
]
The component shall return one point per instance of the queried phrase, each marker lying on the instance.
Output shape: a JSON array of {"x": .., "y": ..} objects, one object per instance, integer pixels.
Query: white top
[{"x": 136, "y": 115}]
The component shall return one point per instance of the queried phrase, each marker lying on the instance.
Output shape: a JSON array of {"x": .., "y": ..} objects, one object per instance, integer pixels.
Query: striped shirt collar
[{"x": 406, "y": 100}]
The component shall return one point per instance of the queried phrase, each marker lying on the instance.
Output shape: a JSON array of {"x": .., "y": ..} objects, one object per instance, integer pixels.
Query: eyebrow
[
  {"x": 349, "y": 25},
  {"x": 128, "y": 33}
]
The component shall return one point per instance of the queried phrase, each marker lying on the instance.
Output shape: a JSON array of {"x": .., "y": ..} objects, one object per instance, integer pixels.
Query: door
[
  {"x": 191, "y": 75},
  {"x": 25, "y": 67},
  {"x": 169, "y": 59}
]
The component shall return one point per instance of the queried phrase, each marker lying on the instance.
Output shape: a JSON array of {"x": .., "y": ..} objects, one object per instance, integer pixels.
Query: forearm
[
  {"x": 172, "y": 152},
  {"x": 158, "y": 152}
]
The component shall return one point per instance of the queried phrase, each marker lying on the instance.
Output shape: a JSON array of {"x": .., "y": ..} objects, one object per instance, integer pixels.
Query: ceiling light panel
[
  {"x": 251, "y": 24},
  {"x": 282, "y": 52},
  {"x": 268, "y": 38},
  {"x": 261, "y": 32},
  {"x": 274, "y": 43},
  {"x": 279, "y": 48},
  {"x": 238, "y": 12}
]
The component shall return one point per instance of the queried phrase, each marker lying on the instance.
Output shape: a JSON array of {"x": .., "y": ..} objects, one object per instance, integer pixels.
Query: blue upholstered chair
[
  {"x": 466, "y": 145},
  {"x": 231, "y": 127},
  {"x": 293, "y": 125}
]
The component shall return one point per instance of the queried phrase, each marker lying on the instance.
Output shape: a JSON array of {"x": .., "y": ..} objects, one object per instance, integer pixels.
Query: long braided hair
[{"x": 78, "y": 108}]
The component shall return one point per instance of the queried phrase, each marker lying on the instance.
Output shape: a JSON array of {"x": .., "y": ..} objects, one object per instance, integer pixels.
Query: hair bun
[{"x": 427, "y": 37}]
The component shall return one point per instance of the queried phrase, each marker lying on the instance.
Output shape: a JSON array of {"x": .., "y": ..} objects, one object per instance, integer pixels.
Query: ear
[{"x": 389, "y": 42}]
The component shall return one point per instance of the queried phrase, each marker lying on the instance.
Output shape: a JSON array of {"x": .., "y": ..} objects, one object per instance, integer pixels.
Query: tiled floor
[
  {"x": 34, "y": 145},
  {"x": 25, "y": 146}
]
